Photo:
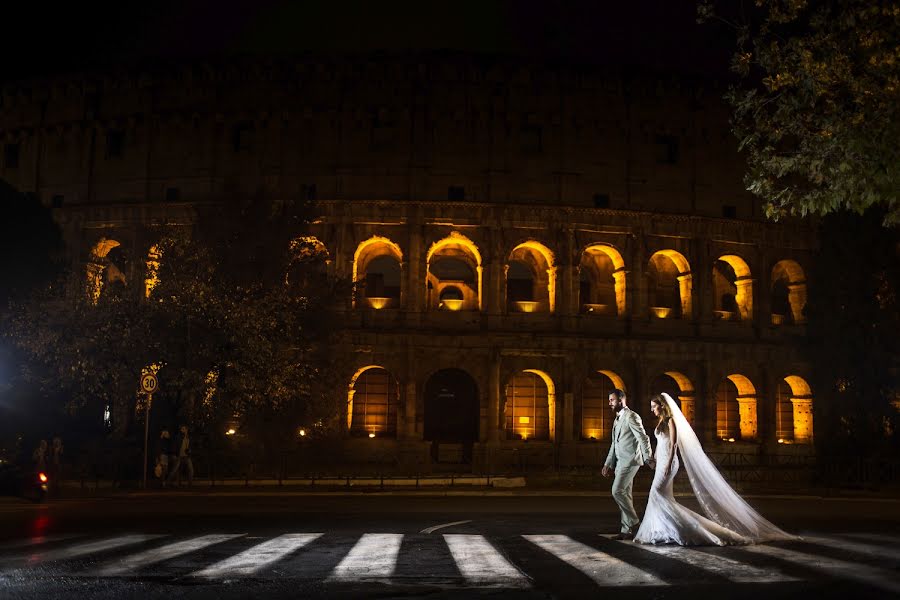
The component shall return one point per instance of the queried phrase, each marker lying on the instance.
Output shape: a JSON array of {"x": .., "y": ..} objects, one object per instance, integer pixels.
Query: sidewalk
[{"x": 459, "y": 485}]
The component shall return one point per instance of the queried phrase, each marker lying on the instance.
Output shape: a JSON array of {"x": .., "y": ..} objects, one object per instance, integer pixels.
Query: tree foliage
[
  {"x": 854, "y": 317},
  {"x": 237, "y": 321},
  {"x": 817, "y": 108}
]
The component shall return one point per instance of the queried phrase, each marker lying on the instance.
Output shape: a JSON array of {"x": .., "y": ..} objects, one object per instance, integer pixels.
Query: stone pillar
[
  {"x": 493, "y": 419},
  {"x": 415, "y": 272},
  {"x": 688, "y": 408},
  {"x": 803, "y": 420},
  {"x": 410, "y": 414},
  {"x": 744, "y": 297},
  {"x": 493, "y": 275},
  {"x": 619, "y": 276},
  {"x": 637, "y": 291},
  {"x": 747, "y": 407},
  {"x": 685, "y": 285},
  {"x": 797, "y": 298}
]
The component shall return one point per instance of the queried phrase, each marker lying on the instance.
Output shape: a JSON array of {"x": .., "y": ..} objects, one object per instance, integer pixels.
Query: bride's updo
[{"x": 665, "y": 413}]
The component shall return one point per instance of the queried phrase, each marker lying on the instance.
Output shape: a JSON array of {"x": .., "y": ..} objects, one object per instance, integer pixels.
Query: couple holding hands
[{"x": 727, "y": 518}]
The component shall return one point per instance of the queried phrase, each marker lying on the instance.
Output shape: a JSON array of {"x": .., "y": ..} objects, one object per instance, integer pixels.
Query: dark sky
[{"x": 655, "y": 34}]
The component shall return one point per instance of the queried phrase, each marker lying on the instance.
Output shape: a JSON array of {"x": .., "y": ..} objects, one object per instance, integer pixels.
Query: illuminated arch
[
  {"x": 593, "y": 414},
  {"x": 541, "y": 258},
  {"x": 97, "y": 266},
  {"x": 684, "y": 278},
  {"x": 685, "y": 394},
  {"x": 457, "y": 242},
  {"x": 743, "y": 288},
  {"x": 616, "y": 380},
  {"x": 527, "y": 426},
  {"x": 374, "y": 428},
  {"x": 746, "y": 401},
  {"x": 589, "y": 261},
  {"x": 801, "y": 409},
  {"x": 370, "y": 249},
  {"x": 789, "y": 273}
]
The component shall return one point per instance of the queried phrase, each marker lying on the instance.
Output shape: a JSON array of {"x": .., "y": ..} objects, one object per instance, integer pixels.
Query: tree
[
  {"x": 853, "y": 320},
  {"x": 817, "y": 110},
  {"x": 233, "y": 311}
]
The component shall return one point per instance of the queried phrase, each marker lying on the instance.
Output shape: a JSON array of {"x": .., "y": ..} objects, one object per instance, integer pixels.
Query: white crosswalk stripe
[
  {"x": 604, "y": 569},
  {"x": 857, "y": 547},
  {"x": 839, "y": 568},
  {"x": 137, "y": 561},
  {"x": 474, "y": 560},
  {"x": 85, "y": 549},
  {"x": 258, "y": 557},
  {"x": 373, "y": 557},
  {"x": 481, "y": 564},
  {"x": 720, "y": 565}
]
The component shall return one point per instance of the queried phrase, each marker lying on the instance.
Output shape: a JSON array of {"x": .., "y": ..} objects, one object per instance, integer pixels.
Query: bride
[{"x": 728, "y": 518}]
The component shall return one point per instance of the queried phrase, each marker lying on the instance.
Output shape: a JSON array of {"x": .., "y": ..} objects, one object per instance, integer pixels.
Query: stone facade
[{"x": 528, "y": 238}]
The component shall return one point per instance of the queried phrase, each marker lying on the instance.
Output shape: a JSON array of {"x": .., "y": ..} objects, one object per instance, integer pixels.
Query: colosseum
[{"x": 526, "y": 238}]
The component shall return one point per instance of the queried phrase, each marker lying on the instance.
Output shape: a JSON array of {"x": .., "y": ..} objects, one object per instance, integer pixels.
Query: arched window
[
  {"x": 728, "y": 414},
  {"x": 602, "y": 281},
  {"x": 453, "y": 262},
  {"x": 795, "y": 411},
  {"x": 531, "y": 278},
  {"x": 788, "y": 293},
  {"x": 530, "y": 402},
  {"x": 736, "y": 409},
  {"x": 105, "y": 268},
  {"x": 373, "y": 399},
  {"x": 593, "y": 414},
  {"x": 377, "y": 273},
  {"x": 670, "y": 284},
  {"x": 733, "y": 288},
  {"x": 680, "y": 388}
]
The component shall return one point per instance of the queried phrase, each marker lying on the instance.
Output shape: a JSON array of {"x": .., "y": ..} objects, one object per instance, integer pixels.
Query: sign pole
[
  {"x": 149, "y": 384},
  {"x": 146, "y": 435}
]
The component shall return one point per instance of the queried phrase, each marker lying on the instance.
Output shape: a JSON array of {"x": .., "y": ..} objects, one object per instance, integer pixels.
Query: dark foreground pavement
[{"x": 199, "y": 545}]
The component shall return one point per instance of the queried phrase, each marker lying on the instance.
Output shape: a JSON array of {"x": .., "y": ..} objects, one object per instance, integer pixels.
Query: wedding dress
[{"x": 728, "y": 518}]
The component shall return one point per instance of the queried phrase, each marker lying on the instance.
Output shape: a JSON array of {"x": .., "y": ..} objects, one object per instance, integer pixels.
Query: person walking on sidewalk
[
  {"x": 164, "y": 455},
  {"x": 183, "y": 456}
]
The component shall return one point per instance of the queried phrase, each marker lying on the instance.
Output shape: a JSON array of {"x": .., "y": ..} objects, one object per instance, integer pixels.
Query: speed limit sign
[{"x": 149, "y": 383}]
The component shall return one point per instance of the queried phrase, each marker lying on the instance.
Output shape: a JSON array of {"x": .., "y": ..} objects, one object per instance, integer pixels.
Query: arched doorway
[{"x": 451, "y": 415}]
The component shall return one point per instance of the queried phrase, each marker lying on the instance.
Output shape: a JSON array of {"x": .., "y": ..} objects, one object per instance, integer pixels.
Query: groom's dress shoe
[{"x": 624, "y": 536}]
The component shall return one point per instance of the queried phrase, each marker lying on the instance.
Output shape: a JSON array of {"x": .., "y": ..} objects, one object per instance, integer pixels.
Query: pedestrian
[
  {"x": 39, "y": 457},
  {"x": 183, "y": 456},
  {"x": 163, "y": 455},
  {"x": 55, "y": 466}
]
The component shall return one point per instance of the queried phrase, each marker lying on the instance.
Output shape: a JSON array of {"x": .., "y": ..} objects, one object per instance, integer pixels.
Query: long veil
[{"x": 720, "y": 503}]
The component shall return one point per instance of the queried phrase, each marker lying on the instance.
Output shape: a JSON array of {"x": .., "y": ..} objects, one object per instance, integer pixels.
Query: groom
[{"x": 630, "y": 448}]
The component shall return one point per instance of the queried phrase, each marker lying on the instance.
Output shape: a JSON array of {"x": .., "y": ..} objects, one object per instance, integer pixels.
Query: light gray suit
[{"x": 630, "y": 448}]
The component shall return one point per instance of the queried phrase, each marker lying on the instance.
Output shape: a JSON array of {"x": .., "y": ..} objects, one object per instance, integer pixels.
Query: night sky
[{"x": 656, "y": 35}]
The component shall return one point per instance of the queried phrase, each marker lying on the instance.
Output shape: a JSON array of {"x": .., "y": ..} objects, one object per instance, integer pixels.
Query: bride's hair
[{"x": 665, "y": 413}]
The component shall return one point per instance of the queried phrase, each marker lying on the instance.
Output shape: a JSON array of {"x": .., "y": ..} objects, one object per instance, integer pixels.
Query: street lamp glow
[
  {"x": 230, "y": 431},
  {"x": 371, "y": 435},
  {"x": 302, "y": 433}
]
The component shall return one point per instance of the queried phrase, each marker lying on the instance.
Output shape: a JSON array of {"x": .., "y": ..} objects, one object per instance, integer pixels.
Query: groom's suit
[{"x": 629, "y": 450}]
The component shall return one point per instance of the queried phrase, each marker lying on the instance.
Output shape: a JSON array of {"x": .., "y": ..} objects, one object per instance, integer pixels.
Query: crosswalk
[{"x": 454, "y": 559}]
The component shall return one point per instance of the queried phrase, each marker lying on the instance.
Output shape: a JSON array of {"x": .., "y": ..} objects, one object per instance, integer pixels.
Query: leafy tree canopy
[
  {"x": 818, "y": 108},
  {"x": 233, "y": 311}
]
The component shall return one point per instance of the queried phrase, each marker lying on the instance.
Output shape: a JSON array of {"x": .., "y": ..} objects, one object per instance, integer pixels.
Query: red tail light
[{"x": 42, "y": 477}]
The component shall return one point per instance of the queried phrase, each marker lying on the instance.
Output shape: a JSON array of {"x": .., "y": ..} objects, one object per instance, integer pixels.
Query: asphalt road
[{"x": 184, "y": 545}]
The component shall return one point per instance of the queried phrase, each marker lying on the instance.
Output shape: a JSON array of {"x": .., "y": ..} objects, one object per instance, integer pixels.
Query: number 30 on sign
[{"x": 149, "y": 383}]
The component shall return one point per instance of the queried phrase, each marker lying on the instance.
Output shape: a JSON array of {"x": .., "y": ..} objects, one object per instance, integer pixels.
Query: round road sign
[{"x": 149, "y": 383}]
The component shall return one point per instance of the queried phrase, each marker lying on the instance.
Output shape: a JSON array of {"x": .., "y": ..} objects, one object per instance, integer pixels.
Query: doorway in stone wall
[{"x": 451, "y": 416}]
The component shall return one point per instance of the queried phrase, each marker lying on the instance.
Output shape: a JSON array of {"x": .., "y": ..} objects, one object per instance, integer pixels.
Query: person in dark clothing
[{"x": 182, "y": 451}]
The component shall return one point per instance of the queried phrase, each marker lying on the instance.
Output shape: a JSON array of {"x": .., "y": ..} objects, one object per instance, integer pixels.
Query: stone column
[
  {"x": 685, "y": 285},
  {"x": 493, "y": 419},
  {"x": 637, "y": 291},
  {"x": 620, "y": 278},
  {"x": 688, "y": 408},
  {"x": 803, "y": 420},
  {"x": 747, "y": 407},
  {"x": 414, "y": 270},
  {"x": 744, "y": 297},
  {"x": 410, "y": 414},
  {"x": 797, "y": 298}
]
